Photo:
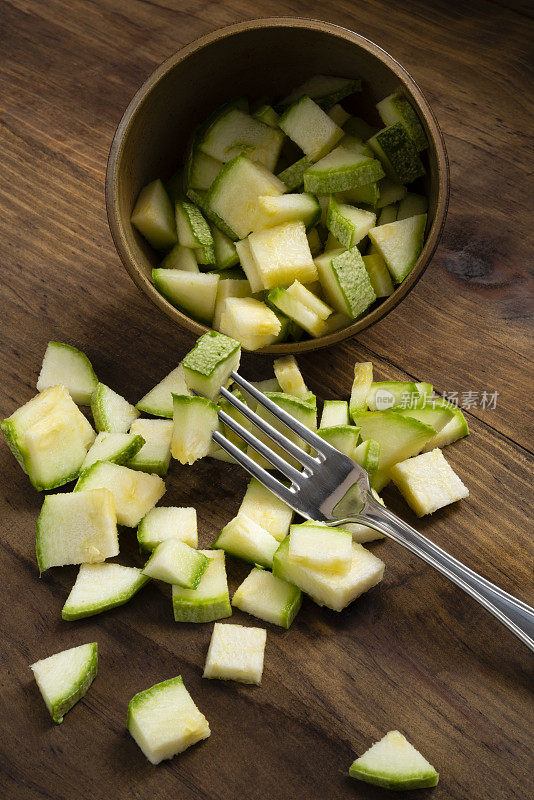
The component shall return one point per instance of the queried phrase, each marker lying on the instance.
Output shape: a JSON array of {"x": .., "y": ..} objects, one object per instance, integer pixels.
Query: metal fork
[{"x": 334, "y": 489}]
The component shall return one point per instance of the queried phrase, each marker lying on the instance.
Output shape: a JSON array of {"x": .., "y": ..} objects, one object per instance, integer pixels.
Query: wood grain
[{"x": 413, "y": 653}]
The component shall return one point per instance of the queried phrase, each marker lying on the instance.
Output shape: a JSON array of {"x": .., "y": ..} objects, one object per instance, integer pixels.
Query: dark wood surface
[{"x": 414, "y": 653}]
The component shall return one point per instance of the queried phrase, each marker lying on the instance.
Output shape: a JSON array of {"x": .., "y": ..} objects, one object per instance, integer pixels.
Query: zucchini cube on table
[
  {"x": 428, "y": 482},
  {"x": 158, "y": 401},
  {"x": 320, "y": 547},
  {"x": 170, "y": 522},
  {"x": 110, "y": 411},
  {"x": 267, "y": 597},
  {"x": 208, "y": 365},
  {"x": 155, "y": 454},
  {"x": 243, "y": 538},
  {"x": 99, "y": 587},
  {"x": 394, "y": 763},
  {"x": 116, "y": 447},
  {"x": 64, "y": 365},
  {"x": 175, "y": 562},
  {"x": 344, "y": 438},
  {"x": 65, "y": 677},
  {"x": 194, "y": 421},
  {"x": 267, "y": 510},
  {"x": 210, "y": 600},
  {"x": 289, "y": 376},
  {"x": 236, "y": 653},
  {"x": 165, "y": 721},
  {"x": 76, "y": 528}
]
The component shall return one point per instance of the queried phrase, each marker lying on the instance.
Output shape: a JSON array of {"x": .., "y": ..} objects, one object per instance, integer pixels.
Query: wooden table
[{"x": 414, "y": 653}]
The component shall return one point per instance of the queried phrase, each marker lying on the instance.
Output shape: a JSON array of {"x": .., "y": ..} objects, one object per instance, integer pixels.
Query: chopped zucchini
[
  {"x": 340, "y": 170},
  {"x": 158, "y": 401},
  {"x": 272, "y": 211},
  {"x": 100, "y": 587},
  {"x": 155, "y": 455},
  {"x": 201, "y": 169},
  {"x": 208, "y": 365},
  {"x": 180, "y": 257},
  {"x": 347, "y": 223},
  {"x": 428, "y": 482},
  {"x": 436, "y": 413},
  {"x": 250, "y": 321},
  {"x": 194, "y": 232},
  {"x": 266, "y": 114},
  {"x": 175, "y": 562},
  {"x": 234, "y": 287},
  {"x": 314, "y": 242},
  {"x": 400, "y": 244},
  {"x": 225, "y": 252},
  {"x": 378, "y": 274},
  {"x": 320, "y": 547},
  {"x": 456, "y": 429},
  {"x": 310, "y": 128},
  {"x": 298, "y": 407},
  {"x": 235, "y": 653},
  {"x": 335, "y": 412},
  {"x": 396, "y": 108},
  {"x": 344, "y": 438},
  {"x": 293, "y": 176},
  {"x": 367, "y": 455},
  {"x": 390, "y": 192},
  {"x": 116, "y": 447},
  {"x": 355, "y": 126},
  {"x": 293, "y": 308},
  {"x": 345, "y": 281},
  {"x": 267, "y": 510},
  {"x": 328, "y": 588},
  {"x": 64, "y": 365},
  {"x": 326, "y": 90},
  {"x": 111, "y": 412},
  {"x": 65, "y": 677},
  {"x": 282, "y": 255},
  {"x": 335, "y": 323},
  {"x": 412, "y": 205},
  {"x": 167, "y": 522},
  {"x": 245, "y": 539},
  {"x": 289, "y": 376},
  {"x": 397, "y": 153},
  {"x": 367, "y": 195},
  {"x": 135, "y": 493},
  {"x": 210, "y": 600},
  {"x": 234, "y": 133},
  {"x": 309, "y": 298},
  {"x": 267, "y": 597},
  {"x": 390, "y": 394},
  {"x": 194, "y": 420},
  {"x": 394, "y": 763},
  {"x": 153, "y": 216},
  {"x": 76, "y": 529},
  {"x": 190, "y": 292},
  {"x": 361, "y": 386},
  {"x": 249, "y": 265}
]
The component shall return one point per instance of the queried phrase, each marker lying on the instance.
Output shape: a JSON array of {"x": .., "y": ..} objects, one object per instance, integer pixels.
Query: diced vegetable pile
[
  {"x": 393, "y": 429},
  {"x": 289, "y": 221}
]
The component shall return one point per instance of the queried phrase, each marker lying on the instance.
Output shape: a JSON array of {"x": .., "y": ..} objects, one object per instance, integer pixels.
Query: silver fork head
[{"x": 329, "y": 484}]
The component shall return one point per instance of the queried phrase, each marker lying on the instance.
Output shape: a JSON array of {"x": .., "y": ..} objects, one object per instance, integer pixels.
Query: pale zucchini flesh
[
  {"x": 393, "y": 763},
  {"x": 400, "y": 244},
  {"x": 267, "y": 510},
  {"x": 210, "y": 600},
  {"x": 194, "y": 293},
  {"x": 111, "y": 412},
  {"x": 245, "y": 539},
  {"x": 101, "y": 587},
  {"x": 310, "y": 128},
  {"x": 155, "y": 454},
  {"x": 67, "y": 366},
  {"x": 158, "y": 401},
  {"x": 428, "y": 482},
  {"x": 153, "y": 216},
  {"x": 175, "y": 562},
  {"x": 236, "y": 653},
  {"x": 282, "y": 255},
  {"x": 168, "y": 522},
  {"x": 180, "y": 257},
  {"x": 194, "y": 421},
  {"x": 116, "y": 447},
  {"x": 267, "y": 597},
  {"x": 65, "y": 677}
]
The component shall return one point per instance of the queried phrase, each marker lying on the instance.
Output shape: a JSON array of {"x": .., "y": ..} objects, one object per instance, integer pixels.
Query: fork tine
[
  {"x": 261, "y": 474},
  {"x": 277, "y": 461},
  {"x": 322, "y": 447},
  {"x": 290, "y": 447}
]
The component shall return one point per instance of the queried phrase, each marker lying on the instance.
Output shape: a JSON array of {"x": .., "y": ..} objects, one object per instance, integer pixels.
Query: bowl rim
[{"x": 443, "y": 177}]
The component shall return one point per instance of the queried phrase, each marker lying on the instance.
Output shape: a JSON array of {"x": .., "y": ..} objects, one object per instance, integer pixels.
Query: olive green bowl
[{"x": 256, "y": 57}]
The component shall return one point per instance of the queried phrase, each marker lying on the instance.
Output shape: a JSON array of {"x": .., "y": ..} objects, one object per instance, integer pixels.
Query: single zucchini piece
[
  {"x": 236, "y": 653},
  {"x": 390, "y": 192},
  {"x": 245, "y": 539},
  {"x": 162, "y": 523},
  {"x": 180, "y": 257},
  {"x": 210, "y": 600},
  {"x": 335, "y": 412},
  {"x": 397, "y": 153},
  {"x": 387, "y": 215},
  {"x": 326, "y": 90},
  {"x": 208, "y": 365},
  {"x": 456, "y": 429},
  {"x": 356, "y": 126},
  {"x": 234, "y": 194},
  {"x": 310, "y": 128},
  {"x": 194, "y": 421},
  {"x": 225, "y": 251},
  {"x": 267, "y": 597},
  {"x": 54, "y": 450},
  {"x": 100, "y": 587},
  {"x": 249, "y": 321},
  {"x": 428, "y": 482},
  {"x": 348, "y": 224},
  {"x": 177, "y": 563},
  {"x": 194, "y": 232},
  {"x": 268, "y": 511},
  {"x": 425, "y": 390},
  {"x": 111, "y": 412},
  {"x": 164, "y": 720},
  {"x": 266, "y": 114},
  {"x": 192, "y": 293},
  {"x": 356, "y": 145},
  {"x": 412, "y": 205},
  {"x": 338, "y": 114},
  {"x": 282, "y": 255},
  {"x": 76, "y": 529},
  {"x": 344, "y": 438},
  {"x": 335, "y": 323},
  {"x": 293, "y": 176},
  {"x": 391, "y": 394},
  {"x": 297, "y": 311},
  {"x": 158, "y": 401},
  {"x": 236, "y": 132},
  {"x": 363, "y": 195},
  {"x": 309, "y": 298},
  {"x": 289, "y": 376},
  {"x": 394, "y": 763},
  {"x": 198, "y": 197},
  {"x": 298, "y": 407},
  {"x": 436, "y": 413},
  {"x": 233, "y": 287},
  {"x": 328, "y": 588},
  {"x": 400, "y": 244},
  {"x": 201, "y": 169},
  {"x": 116, "y": 447},
  {"x": 361, "y": 386},
  {"x": 135, "y": 493},
  {"x": 367, "y": 455},
  {"x": 65, "y": 677},
  {"x": 396, "y": 108},
  {"x": 64, "y": 365},
  {"x": 321, "y": 548},
  {"x": 249, "y": 265},
  {"x": 345, "y": 282},
  {"x": 272, "y": 211},
  {"x": 155, "y": 455},
  {"x": 153, "y": 216},
  {"x": 378, "y": 274},
  {"x": 340, "y": 170}
]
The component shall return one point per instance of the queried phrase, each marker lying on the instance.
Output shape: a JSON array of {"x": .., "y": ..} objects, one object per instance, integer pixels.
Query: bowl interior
[{"x": 259, "y": 58}]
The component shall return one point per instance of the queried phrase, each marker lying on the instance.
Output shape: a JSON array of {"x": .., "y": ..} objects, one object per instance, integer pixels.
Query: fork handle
[{"x": 516, "y": 615}]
